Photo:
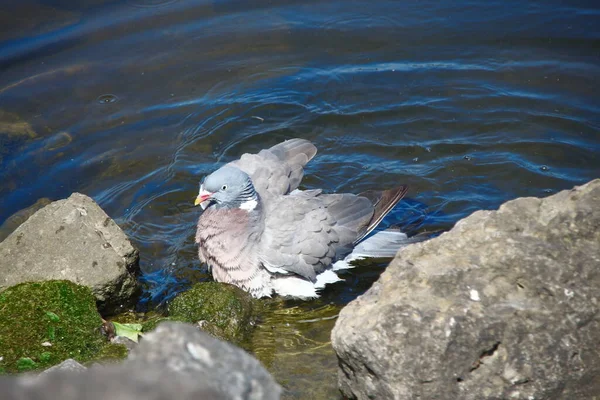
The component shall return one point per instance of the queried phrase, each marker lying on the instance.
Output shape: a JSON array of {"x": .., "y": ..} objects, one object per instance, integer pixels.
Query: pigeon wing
[
  {"x": 279, "y": 169},
  {"x": 299, "y": 236}
]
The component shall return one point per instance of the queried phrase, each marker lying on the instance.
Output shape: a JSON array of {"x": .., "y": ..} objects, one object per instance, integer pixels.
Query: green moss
[
  {"x": 112, "y": 352},
  {"x": 25, "y": 364},
  {"x": 59, "y": 312},
  {"x": 227, "y": 311},
  {"x": 151, "y": 324}
]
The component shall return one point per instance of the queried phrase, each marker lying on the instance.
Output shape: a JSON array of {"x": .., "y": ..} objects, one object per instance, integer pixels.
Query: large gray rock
[
  {"x": 504, "y": 306},
  {"x": 176, "y": 361},
  {"x": 73, "y": 239}
]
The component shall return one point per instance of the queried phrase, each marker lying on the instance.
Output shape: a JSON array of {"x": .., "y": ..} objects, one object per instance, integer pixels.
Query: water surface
[{"x": 471, "y": 103}]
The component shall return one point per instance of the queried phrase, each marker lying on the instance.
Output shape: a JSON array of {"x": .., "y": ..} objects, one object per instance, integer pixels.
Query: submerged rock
[
  {"x": 12, "y": 125},
  {"x": 44, "y": 323},
  {"x": 505, "y": 305},
  {"x": 223, "y": 310},
  {"x": 174, "y": 361},
  {"x": 73, "y": 239}
]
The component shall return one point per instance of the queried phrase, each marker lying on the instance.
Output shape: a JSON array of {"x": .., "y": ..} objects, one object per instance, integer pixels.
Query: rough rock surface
[
  {"x": 174, "y": 361},
  {"x": 186, "y": 349},
  {"x": 73, "y": 239},
  {"x": 504, "y": 306},
  {"x": 18, "y": 218},
  {"x": 67, "y": 365}
]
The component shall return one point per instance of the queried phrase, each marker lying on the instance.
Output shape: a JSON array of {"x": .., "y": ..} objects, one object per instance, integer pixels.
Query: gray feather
[{"x": 280, "y": 169}]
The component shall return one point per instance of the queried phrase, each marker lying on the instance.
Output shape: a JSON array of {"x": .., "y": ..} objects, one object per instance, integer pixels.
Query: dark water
[{"x": 471, "y": 103}]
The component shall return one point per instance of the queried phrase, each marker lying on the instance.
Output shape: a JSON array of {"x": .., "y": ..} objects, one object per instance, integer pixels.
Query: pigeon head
[{"x": 227, "y": 187}]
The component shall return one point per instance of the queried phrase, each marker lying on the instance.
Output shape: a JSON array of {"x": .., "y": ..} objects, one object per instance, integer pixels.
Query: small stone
[
  {"x": 47, "y": 344},
  {"x": 67, "y": 365},
  {"x": 128, "y": 343}
]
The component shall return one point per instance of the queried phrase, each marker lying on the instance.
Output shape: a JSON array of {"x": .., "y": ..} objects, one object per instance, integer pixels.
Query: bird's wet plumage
[{"x": 259, "y": 233}]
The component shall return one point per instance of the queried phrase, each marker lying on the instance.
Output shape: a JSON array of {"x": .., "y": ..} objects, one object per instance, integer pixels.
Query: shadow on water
[{"x": 470, "y": 103}]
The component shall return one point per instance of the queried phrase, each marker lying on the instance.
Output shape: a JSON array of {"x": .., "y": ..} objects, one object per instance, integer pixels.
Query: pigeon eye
[{"x": 224, "y": 187}]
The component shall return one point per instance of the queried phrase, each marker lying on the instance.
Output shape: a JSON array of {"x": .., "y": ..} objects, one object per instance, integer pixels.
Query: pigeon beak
[{"x": 203, "y": 198}]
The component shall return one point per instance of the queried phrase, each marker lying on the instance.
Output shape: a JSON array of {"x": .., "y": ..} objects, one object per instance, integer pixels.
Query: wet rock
[
  {"x": 174, "y": 361},
  {"x": 73, "y": 239},
  {"x": 45, "y": 323},
  {"x": 223, "y": 310},
  {"x": 504, "y": 306},
  {"x": 12, "y": 125}
]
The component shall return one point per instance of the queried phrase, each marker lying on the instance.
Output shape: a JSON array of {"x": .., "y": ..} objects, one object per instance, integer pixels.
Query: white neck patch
[{"x": 249, "y": 205}]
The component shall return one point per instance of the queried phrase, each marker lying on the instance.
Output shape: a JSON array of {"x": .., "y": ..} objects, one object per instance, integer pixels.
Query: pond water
[{"x": 470, "y": 103}]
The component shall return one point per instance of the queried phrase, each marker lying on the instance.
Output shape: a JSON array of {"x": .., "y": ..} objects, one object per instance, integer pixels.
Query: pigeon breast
[{"x": 227, "y": 241}]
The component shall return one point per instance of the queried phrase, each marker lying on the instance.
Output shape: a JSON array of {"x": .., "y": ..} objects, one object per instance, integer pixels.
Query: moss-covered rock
[
  {"x": 45, "y": 323},
  {"x": 226, "y": 311},
  {"x": 73, "y": 238},
  {"x": 151, "y": 323}
]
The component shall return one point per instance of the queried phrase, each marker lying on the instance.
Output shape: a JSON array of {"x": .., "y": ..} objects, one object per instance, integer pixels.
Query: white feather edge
[
  {"x": 249, "y": 205},
  {"x": 381, "y": 244},
  {"x": 301, "y": 288}
]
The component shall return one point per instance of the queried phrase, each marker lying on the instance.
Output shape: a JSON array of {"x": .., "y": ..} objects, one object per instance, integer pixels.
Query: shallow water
[{"x": 471, "y": 103}]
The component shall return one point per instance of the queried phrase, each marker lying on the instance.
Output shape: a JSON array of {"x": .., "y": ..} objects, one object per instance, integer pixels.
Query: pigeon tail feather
[
  {"x": 384, "y": 202},
  {"x": 383, "y": 244}
]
